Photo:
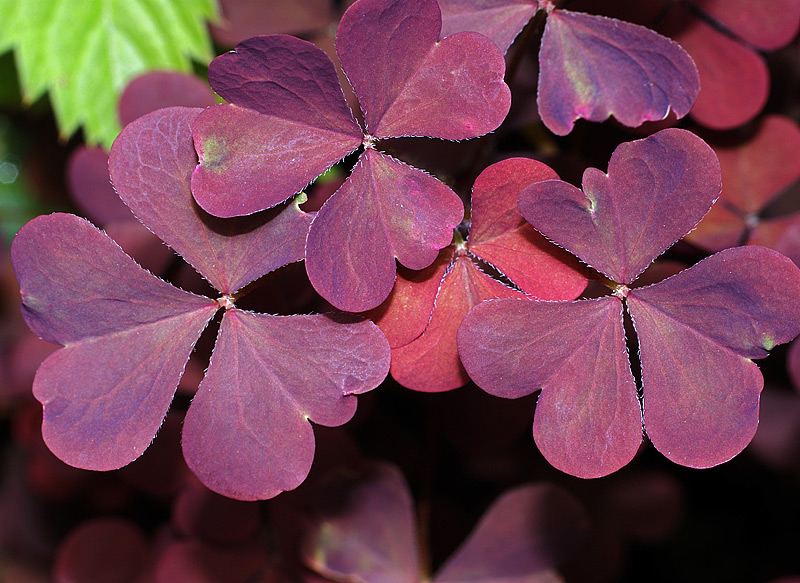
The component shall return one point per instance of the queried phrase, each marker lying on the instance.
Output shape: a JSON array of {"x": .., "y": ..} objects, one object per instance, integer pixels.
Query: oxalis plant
[{"x": 415, "y": 288}]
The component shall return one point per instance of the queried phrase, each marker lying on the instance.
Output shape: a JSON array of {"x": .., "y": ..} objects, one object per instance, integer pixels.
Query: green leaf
[{"x": 84, "y": 52}]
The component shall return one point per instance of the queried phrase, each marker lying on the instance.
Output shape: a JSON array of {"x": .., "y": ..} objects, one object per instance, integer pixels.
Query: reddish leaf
[
  {"x": 500, "y": 20},
  {"x": 781, "y": 234},
  {"x": 521, "y": 537},
  {"x": 367, "y": 530},
  {"x": 102, "y": 411},
  {"x": 192, "y": 561},
  {"x": 158, "y": 89},
  {"x": 385, "y": 210},
  {"x": 452, "y": 89},
  {"x": 697, "y": 332},
  {"x": 289, "y": 124},
  {"x": 656, "y": 190},
  {"x": 103, "y": 550},
  {"x": 290, "y": 370},
  {"x": 767, "y": 25},
  {"x": 151, "y": 162},
  {"x": 757, "y": 171},
  {"x": 243, "y": 19},
  {"x": 592, "y": 67},
  {"x": 430, "y": 363},
  {"x": 405, "y": 314},
  {"x": 500, "y": 236},
  {"x": 588, "y": 421},
  {"x": 754, "y": 173},
  {"x": 734, "y": 79}
]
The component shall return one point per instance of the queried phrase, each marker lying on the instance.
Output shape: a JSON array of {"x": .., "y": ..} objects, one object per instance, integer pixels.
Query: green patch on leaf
[{"x": 84, "y": 52}]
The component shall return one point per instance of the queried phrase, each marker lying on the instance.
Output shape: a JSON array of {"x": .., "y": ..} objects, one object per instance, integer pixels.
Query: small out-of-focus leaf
[
  {"x": 367, "y": 529},
  {"x": 592, "y": 67},
  {"x": 420, "y": 86},
  {"x": 158, "y": 89},
  {"x": 500, "y": 20},
  {"x": 90, "y": 186},
  {"x": 228, "y": 253},
  {"x": 698, "y": 332},
  {"x": 656, "y": 190},
  {"x": 385, "y": 210},
  {"x": 767, "y": 25},
  {"x": 103, "y": 550},
  {"x": 192, "y": 561},
  {"x": 523, "y": 535},
  {"x": 754, "y": 173},
  {"x": 242, "y": 19},
  {"x": 734, "y": 79},
  {"x": 101, "y": 411},
  {"x": 289, "y": 370},
  {"x": 588, "y": 421},
  {"x": 84, "y": 57}
]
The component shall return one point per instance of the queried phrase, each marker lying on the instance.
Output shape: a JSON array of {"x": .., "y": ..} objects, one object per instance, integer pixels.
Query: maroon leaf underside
[
  {"x": 523, "y": 535},
  {"x": 430, "y": 363},
  {"x": 592, "y": 67},
  {"x": 697, "y": 332},
  {"x": 90, "y": 187},
  {"x": 384, "y": 210},
  {"x": 500, "y": 20},
  {"x": 250, "y": 161},
  {"x": 734, "y": 78},
  {"x": 151, "y": 163},
  {"x": 500, "y": 236},
  {"x": 588, "y": 420},
  {"x": 289, "y": 122},
  {"x": 247, "y": 433},
  {"x": 367, "y": 530},
  {"x": 80, "y": 290},
  {"x": 452, "y": 89},
  {"x": 655, "y": 191}
]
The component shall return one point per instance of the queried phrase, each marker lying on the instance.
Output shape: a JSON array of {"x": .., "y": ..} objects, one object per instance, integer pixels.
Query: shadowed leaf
[{"x": 500, "y": 20}]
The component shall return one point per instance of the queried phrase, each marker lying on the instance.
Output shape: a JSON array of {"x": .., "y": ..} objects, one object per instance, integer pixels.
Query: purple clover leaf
[
  {"x": 590, "y": 67},
  {"x": 287, "y": 122},
  {"x": 698, "y": 331},
  {"x": 127, "y": 335}
]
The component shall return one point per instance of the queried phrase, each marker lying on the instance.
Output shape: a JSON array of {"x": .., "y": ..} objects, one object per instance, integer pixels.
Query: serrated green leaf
[{"x": 84, "y": 52}]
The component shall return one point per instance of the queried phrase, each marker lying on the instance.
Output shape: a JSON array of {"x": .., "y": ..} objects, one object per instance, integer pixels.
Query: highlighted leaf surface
[
  {"x": 588, "y": 421},
  {"x": 247, "y": 433},
  {"x": 452, "y": 89},
  {"x": 386, "y": 209},
  {"x": 592, "y": 67},
  {"x": 80, "y": 290},
  {"x": 697, "y": 332},
  {"x": 655, "y": 191},
  {"x": 500, "y": 20},
  {"x": 229, "y": 253}
]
